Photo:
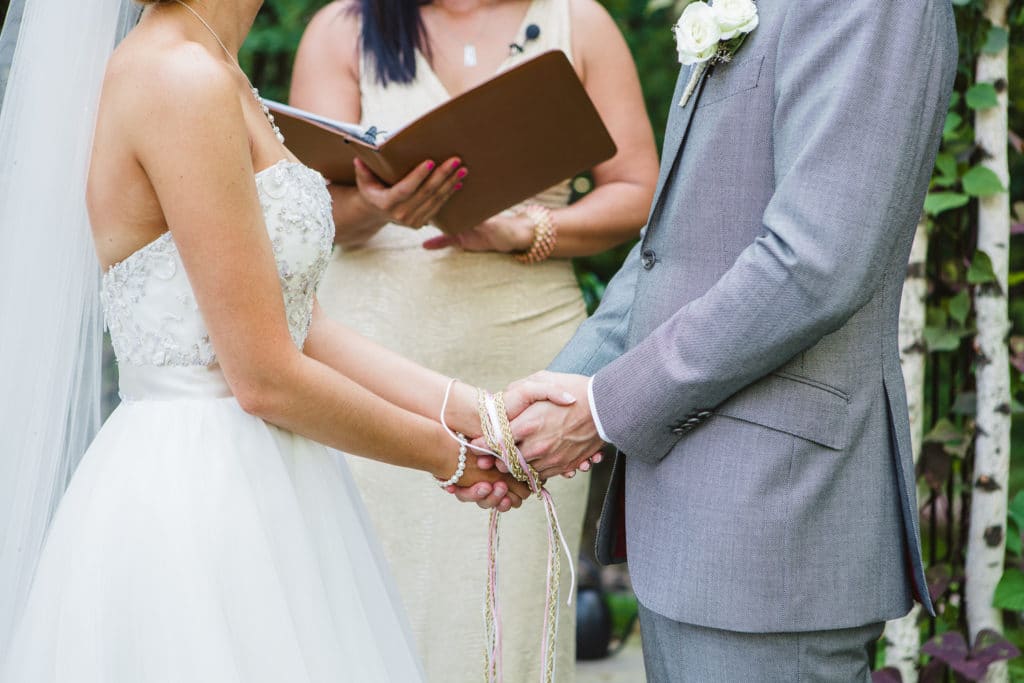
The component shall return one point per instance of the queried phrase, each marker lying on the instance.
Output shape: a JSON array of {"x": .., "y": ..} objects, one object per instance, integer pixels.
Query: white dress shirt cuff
[{"x": 593, "y": 412}]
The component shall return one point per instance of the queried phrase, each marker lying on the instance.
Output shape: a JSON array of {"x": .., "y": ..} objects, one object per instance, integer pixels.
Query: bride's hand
[{"x": 489, "y": 488}]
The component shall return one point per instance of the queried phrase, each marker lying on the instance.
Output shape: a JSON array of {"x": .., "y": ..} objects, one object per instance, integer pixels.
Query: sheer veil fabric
[{"x": 50, "y": 322}]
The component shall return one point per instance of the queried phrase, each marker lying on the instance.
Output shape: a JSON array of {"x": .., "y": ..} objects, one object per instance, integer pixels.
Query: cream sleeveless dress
[{"x": 488, "y": 320}]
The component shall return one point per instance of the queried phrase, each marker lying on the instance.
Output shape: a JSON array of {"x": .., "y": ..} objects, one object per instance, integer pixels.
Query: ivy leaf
[
  {"x": 1013, "y": 540},
  {"x": 966, "y": 403},
  {"x": 996, "y": 40},
  {"x": 960, "y": 306},
  {"x": 981, "y": 181},
  {"x": 1010, "y": 591},
  {"x": 981, "y": 271},
  {"x": 937, "y": 202},
  {"x": 1015, "y": 510},
  {"x": 982, "y": 96},
  {"x": 941, "y": 339},
  {"x": 944, "y": 432},
  {"x": 945, "y": 164},
  {"x": 953, "y": 121}
]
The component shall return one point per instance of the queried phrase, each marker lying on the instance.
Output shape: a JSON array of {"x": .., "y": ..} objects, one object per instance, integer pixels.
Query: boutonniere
[{"x": 708, "y": 34}]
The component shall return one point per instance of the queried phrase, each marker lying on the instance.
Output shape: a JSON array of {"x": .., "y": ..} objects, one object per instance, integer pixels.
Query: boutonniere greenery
[{"x": 708, "y": 34}]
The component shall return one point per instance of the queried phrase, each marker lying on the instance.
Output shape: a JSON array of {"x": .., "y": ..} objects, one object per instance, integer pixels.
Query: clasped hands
[{"x": 556, "y": 438}]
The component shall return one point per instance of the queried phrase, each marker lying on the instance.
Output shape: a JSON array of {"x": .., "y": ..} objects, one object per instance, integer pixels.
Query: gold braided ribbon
[{"x": 498, "y": 436}]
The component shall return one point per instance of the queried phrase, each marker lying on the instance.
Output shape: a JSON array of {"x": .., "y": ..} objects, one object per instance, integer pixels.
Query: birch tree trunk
[
  {"x": 987, "y": 535},
  {"x": 903, "y": 639}
]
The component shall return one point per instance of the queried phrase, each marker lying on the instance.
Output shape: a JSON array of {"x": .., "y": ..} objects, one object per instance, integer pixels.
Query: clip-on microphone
[{"x": 532, "y": 33}]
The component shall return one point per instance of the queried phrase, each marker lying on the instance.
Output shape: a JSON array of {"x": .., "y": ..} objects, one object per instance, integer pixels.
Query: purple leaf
[
  {"x": 991, "y": 647},
  {"x": 934, "y": 465},
  {"x": 939, "y": 577},
  {"x": 970, "y": 669},
  {"x": 933, "y": 672},
  {"x": 887, "y": 675},
  {"x": 949, "y": 647}
]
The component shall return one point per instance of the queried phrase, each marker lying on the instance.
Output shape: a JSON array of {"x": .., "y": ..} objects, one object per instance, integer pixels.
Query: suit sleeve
[{"x": 861, "y": 88}]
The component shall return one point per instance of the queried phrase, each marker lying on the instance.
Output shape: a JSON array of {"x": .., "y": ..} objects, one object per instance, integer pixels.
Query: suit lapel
[{"x": 675, "y": 132}]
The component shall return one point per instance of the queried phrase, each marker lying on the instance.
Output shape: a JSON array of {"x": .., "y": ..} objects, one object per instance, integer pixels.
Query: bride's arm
[
  {"x": 407, "y": 384},
  {"x": 192, "y": 141}
]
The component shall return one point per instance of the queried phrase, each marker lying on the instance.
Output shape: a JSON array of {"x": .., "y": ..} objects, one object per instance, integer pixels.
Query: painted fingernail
[
  {"x": 456, "y": 163},
  {"x": 431, "y": 165},
  {"x": 458, "y": 186},
  {"x": 597, "y": 459},
  {"x": 584, "y": 466},
  {"x": 462, "y": 173}
]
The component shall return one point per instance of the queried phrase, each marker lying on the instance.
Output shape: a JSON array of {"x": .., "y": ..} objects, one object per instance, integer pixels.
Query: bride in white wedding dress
[{"x": 207, "y": 536}]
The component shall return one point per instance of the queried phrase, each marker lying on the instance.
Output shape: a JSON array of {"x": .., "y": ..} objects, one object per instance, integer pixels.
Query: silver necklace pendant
[{"x": 469, "y": 55}]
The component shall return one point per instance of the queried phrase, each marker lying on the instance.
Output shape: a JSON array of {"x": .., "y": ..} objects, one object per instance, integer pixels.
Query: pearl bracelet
[{"x": 461, "y": 469}]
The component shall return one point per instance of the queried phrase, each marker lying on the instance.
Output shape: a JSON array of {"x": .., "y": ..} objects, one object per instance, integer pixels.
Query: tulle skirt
[{"x": 198, "y": 544}]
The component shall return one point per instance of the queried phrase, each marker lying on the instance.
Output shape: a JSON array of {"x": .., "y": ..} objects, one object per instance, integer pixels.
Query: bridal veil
[{"x": 50, "y": 323}]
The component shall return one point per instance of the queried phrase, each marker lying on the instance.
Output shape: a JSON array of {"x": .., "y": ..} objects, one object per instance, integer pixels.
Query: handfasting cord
[{"x": 501, "y": 444}]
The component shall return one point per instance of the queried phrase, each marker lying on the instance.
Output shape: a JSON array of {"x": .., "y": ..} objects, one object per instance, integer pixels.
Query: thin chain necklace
[
  {"x": 231, "y": 58},
  {"x": 469, "y": 56}
]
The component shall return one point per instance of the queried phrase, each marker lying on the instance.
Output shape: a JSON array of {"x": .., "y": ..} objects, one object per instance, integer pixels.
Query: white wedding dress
[{"x": 197, "y": 543}]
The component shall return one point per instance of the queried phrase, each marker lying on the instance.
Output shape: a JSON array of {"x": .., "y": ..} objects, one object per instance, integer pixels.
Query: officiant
[{"x": 490, "y": 305}]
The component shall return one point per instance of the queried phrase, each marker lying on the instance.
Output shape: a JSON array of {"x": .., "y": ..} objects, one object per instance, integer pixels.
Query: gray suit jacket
[{"x": 745, "y": 358}]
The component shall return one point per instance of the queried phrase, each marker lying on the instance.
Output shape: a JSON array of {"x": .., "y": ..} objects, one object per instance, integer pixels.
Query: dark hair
[{"x": 392, "y": 31}]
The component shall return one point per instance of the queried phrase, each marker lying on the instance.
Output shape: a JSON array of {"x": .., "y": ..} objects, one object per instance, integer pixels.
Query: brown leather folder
[{"x": 518, "y": 133}]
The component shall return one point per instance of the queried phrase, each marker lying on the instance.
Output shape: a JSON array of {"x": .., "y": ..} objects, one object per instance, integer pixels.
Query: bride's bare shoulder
[{"x": 150, "y": 75}]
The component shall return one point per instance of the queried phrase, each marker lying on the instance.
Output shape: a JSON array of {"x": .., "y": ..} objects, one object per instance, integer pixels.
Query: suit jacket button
[
  {"x": 648, "y": 258},
  {"x": 704, "y": 414},
  {"x": 678, "y": 431}
]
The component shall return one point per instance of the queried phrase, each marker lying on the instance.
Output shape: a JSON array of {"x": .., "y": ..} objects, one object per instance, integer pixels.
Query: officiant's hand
[
  {"x": 415, "y": 199},
  {"x": 507, "y": 232}
]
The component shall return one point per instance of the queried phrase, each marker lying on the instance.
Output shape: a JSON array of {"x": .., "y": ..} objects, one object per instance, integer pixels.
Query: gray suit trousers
[{"x": 682, "y": 653}]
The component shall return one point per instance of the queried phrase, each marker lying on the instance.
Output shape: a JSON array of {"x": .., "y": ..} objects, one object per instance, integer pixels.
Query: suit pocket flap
[
  {"x": 731, "y": 79},
  {"x": 794, "y": 405}
]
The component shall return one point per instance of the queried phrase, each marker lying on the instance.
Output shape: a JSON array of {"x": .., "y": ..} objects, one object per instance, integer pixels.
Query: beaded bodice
[{"x": 150, "y": 308}]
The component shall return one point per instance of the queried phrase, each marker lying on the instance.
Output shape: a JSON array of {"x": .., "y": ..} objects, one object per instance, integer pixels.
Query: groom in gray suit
[{"x": 744, "y": 361}]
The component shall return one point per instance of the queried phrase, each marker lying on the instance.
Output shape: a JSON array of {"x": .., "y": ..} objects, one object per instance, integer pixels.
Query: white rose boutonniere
[
  {"x": 708, "y": 34},
  {"x": 735, "y": 17},
  {"x": 697, "y": 34}
]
